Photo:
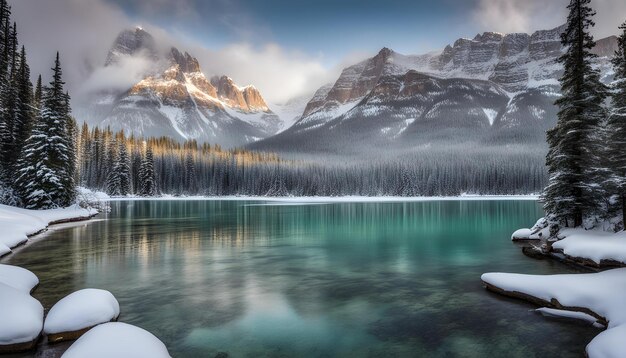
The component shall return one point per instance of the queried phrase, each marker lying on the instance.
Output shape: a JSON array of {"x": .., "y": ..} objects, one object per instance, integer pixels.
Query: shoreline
[
  {"x": 331, "y": 199},
  {"x": 49, "y": 219},
  {"x": 598, "y": 294}
]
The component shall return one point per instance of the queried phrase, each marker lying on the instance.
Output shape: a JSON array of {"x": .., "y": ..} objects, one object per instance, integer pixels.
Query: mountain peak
[
  {"x": 384, "y": 53},
  {"x": 131, "y": 42},
  {"x": 186, "y": 62}
]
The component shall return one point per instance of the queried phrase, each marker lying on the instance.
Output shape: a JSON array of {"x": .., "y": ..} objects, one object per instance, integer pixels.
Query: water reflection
[{"x": 349, "y": 279}]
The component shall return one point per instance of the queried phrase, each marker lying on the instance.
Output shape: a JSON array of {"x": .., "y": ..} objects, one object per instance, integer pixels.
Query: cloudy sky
[{"x": 284, "y": 47}]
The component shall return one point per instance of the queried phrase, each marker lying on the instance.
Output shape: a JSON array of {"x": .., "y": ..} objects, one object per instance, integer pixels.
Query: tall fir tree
[
  {"x": 146, "y": 174},
  {"x": 38, "y": 92},
  {"x": 8, "y": 98},
  {"x": 616, "y": 124},
  {"x": 25, "y": 113},
  {"x": 574, "y": 188},
  {"x": 122, "y": 169},
  {"x": 46, "y": 168},
  {"x": 112, "y": 181}
]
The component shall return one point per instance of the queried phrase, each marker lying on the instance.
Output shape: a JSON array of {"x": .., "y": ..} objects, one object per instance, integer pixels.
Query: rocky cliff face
[
  {"x": 176, "y": 99},
  {"x": 494, "y": 86},
  {"x": 246, "y": 99}
]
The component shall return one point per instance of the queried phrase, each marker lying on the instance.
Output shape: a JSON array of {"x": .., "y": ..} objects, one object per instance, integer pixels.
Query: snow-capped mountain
[
  {"x": 175, "y": 99},
  {"x": 492, "y": 88}
]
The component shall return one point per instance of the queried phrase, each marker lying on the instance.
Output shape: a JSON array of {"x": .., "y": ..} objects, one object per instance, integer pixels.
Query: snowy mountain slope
[
  {"x": 175, "y": 99},
  {"x": 291, "y": 111},
  {"x": 494, "y": 87}
]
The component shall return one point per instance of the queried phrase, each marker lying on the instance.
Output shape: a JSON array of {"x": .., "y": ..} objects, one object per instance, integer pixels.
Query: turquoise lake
[{"x": 267, "y": 279}]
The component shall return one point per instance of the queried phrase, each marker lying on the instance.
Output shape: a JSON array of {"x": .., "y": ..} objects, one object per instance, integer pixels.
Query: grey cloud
[{"x": 530, "y": 15}]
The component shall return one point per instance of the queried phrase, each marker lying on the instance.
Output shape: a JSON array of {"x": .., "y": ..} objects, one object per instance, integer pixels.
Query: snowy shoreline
[
  {"x": 588, "y": 296},
  {"x": 330, "y": 199},
  {"x": 20, "y": 224},
  {"x": 599, "y": 295}
]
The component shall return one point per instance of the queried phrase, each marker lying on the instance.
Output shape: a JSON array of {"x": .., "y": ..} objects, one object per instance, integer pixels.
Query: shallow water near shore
[{"x": 313, "y": 280}]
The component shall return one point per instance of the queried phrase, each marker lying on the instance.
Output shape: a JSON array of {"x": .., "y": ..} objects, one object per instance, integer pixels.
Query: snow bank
[
  {"x": 82, "y": 309},
  {"x": 90, "y": 194},
  {"x": 595, "y": 245},
  {"x": 118, "y": 340},
  {"x": 21, "y": 316},
  {"x": 608, "y": 344},
  {"x": 602, "y": 293},
  {"x": 17, "y": 224},
  {"x": 521, "y": 234},
  {"x": 18, "y": 278}
]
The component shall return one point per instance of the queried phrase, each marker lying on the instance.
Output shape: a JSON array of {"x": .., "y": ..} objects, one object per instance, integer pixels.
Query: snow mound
[
  {"x": 521, "y": 234},
  {"x": 119, "y": 340},
  {"x": 595, "y": 245},
  {"x": 82, "y": 309},
  {"x": 602, "y": 293},
  {"x": 18, "y": 278},
  {"x": 21, "y": 316}
]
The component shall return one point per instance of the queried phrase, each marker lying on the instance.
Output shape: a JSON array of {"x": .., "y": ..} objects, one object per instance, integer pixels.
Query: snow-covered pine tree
[
  {"x": 112, "y": 179},
  {"x": 574, "y": 190},
  {"x": 616, "y": 125},
  {"x": 25, "y": 114},
  {"x": 146, "y": 175},
  {"x": 122, "y": 168},
  {"x": 38, "y": 93},
  {"x": 73, "y": 135},
  {"x": 8, "y": 99},
  {"x": 45, "y": 179}
]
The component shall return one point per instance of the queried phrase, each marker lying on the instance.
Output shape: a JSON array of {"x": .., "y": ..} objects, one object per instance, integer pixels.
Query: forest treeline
[{"x": 123, "y": 165}]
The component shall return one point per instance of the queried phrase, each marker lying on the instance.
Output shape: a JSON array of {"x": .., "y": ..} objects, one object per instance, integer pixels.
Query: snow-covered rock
[
  {"x": 595, "y": 245},
  {"x": 79, "y": 311},
  {"x": 17, "y": 224},
  {"x": 599, "y": 294},
  {"x": 18, "y": 278},
  {"x": 21, "y": 319},
  {"x": 119, "y": 340},
  {"x": 521, "y": 234}
]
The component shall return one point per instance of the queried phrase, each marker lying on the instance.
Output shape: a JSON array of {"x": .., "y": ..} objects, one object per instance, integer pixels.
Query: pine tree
[
  {"x": 25, "y": 113},
  {"x": 46, "y": 168},
  {"x": 122, "y": 169},
  {"x": 38, "y": 92},
  {"x": 112, "y": 179},
  {"x": 616, "y": 125},
  {"x": 573, "y": 192},
  {"x": 146, "y": 175},
  {"x": 8, "y": 99}
]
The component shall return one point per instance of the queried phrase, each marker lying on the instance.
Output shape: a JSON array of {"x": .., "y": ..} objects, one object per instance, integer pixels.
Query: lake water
[{"x": 256, "y": 279}]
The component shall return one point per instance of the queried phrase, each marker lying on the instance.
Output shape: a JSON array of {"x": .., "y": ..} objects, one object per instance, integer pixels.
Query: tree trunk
[{"x": 578, "y": 218}]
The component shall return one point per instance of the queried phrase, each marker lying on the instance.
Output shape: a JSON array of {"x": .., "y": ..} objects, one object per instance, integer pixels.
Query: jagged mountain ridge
[
  {"x": 175, "y": 99},
  {"x": 397, "y": 100}
]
